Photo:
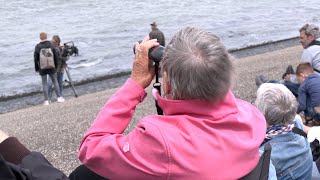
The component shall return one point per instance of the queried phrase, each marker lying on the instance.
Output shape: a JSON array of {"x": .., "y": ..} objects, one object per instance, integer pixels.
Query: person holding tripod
[
  {"x": 64, "y": 53},
  {"x": 61, "y": 66}
]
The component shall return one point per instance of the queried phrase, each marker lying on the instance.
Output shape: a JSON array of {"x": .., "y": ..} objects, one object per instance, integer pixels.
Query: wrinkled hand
[
  {"x": 287, "y": 77},
  {"x": 143, "y": 70},
  {"x": 3, "y": 136}
]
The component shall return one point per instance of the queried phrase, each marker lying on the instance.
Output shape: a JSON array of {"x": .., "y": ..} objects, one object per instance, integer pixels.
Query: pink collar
[{"x": 197, "y": 108}]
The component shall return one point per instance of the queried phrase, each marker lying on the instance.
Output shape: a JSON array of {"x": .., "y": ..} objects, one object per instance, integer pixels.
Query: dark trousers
[
  {"x": 312, "y": 114},
  {"x": 83, "y": 173},
  {"x": 294, "y": 88}
]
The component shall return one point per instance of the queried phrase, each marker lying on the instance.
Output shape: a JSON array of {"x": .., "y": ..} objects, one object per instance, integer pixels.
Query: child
[{"x": 309, "y": 91}]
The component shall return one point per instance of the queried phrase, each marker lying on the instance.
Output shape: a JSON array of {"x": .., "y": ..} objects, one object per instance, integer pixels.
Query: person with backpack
[
  {"x": 46, "y": 61},
  {"x": 291, "y": 156}
]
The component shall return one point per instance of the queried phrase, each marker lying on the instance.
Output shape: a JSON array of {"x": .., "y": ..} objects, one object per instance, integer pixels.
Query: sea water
[{"x": 105, "y": 31}]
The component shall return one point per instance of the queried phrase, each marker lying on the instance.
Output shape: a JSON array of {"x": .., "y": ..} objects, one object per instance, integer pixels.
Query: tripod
[{"x": 69, "y": 81}]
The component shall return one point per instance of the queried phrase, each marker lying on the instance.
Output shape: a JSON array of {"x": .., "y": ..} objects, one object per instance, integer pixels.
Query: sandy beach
[{"x": 56, "y": 130}]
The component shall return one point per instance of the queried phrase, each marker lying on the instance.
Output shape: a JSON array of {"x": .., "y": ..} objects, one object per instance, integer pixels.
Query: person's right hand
[
  {"x": 143, "y": 71},
  {"x": 3, "y": 136}
]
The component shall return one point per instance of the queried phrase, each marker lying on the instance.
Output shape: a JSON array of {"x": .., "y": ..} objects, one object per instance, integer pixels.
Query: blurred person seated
[
  {"x": 205, "y": 132},
  {"x": 309, "y": 92},
  {"x": 291, "y": 155},
  {"x": 310, "y": 41},
  {"x": 18, "y": 163}
]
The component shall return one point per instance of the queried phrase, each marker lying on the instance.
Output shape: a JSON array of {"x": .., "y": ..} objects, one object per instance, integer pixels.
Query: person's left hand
[{"x": 143, "y": 70}]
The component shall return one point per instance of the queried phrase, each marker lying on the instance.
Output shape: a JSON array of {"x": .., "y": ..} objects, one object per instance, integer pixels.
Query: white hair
[
  {"x": 277, "y": 103},
  {"x": 198, "y": 65}
]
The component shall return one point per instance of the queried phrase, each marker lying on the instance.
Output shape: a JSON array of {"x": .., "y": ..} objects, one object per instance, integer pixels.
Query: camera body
[
  {"x": 155, "y": 54},
  {"x": 69, "y": 49}
]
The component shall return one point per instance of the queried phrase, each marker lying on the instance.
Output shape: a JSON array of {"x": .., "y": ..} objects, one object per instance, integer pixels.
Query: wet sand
[{"x": 56, "y": 130}]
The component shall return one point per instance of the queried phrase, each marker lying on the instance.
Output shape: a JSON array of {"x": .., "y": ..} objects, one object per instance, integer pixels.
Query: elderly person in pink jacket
[{"x": 205, "y": 132}]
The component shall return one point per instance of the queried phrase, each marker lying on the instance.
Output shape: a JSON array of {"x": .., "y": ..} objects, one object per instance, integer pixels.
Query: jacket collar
[
  {"x": 314, "y": 42},
  {"x": 197, "y": 108}
]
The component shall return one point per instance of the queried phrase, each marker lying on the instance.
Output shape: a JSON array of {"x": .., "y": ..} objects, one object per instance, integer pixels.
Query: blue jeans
[
  {"x": 53, "y": 78},
  {"x": 294, "y": 88},
  {"x": 60, "y": 84}
]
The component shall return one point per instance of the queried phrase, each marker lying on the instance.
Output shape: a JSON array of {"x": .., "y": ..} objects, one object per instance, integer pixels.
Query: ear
[
  {"x": 166, "y": 83},
  {"x": 312, "y": 37},
  {"x": 304, "y": 75}
]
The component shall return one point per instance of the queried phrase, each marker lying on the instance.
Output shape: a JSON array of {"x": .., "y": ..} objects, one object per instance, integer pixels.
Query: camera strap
[{"x": 157, "y": 85}]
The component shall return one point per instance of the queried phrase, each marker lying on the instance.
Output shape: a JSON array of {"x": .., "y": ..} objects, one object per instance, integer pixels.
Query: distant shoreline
[
  {"x": 18, "y": 101},
  {"x": 269, "y": 46}
]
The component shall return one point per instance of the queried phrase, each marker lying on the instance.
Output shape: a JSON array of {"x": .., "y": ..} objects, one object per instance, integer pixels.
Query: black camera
[
  {"x": 155, "y": 53},
  {"x": 69, "y": 49}
]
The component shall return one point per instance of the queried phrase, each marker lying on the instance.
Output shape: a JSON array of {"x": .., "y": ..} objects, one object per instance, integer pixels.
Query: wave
[{"x": 85, "y": 63}]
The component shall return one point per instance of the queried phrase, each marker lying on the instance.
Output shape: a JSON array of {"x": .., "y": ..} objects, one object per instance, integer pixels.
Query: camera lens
[{"x": 156, "y": 53}]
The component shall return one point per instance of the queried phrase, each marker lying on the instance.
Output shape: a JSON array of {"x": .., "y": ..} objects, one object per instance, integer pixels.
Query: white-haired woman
[{"x": 291, "y": 155}]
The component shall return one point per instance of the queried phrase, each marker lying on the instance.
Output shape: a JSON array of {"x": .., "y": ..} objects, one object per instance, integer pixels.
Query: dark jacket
[
  {"x": 61, "y": 60},
  {"x": 44, "y": 44},
  {"x": 157, "y": 34},
  {"x": 18, "y": 163},
  {"x": 309, "y": 93}
]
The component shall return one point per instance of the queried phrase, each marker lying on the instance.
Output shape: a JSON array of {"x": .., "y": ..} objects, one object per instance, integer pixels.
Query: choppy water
[{"x": 104, "y": 31}]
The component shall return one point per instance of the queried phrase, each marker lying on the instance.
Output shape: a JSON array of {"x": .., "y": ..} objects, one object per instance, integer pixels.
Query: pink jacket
[{"x": 193, "y": 140}]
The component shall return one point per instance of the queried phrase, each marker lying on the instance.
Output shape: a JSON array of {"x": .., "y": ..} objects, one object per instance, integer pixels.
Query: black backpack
[{"x": 261, "y": 171}]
